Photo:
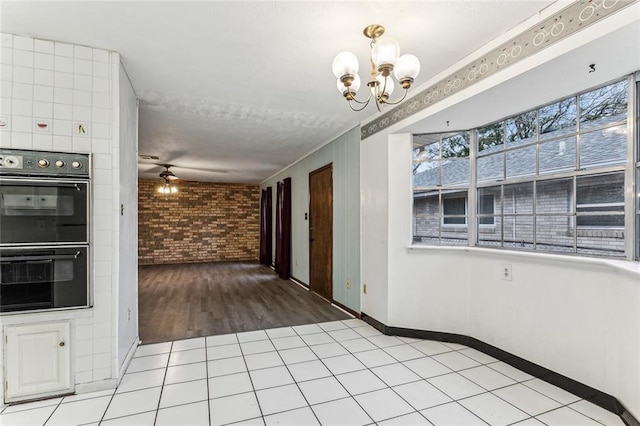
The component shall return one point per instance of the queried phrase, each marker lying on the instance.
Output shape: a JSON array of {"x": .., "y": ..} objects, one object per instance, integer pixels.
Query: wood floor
[{"x": 203, "y": 299}]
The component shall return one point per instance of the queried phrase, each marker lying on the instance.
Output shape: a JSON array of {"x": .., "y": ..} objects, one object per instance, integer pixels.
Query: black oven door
[
  {"x": 43, "y": 211},
  {"x": 43, "y": 278}
]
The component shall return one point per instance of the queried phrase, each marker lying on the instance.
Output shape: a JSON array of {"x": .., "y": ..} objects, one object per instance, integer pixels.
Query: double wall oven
[{"x": 44, "y": 231}]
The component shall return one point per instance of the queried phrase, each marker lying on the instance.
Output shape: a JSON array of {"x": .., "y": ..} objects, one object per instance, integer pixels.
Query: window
[
  {"x": 600, "y": 201},
  {"x": 486, "y": 209},
  {"x": 454, "y": 210},
  {"x": 441, "y": 176},
  {"x": 555, "y": 206},
  {"x": 550, "y": 179}
]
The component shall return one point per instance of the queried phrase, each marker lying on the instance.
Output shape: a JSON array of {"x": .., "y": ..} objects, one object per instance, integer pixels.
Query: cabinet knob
[{"x": 61, "y": 344}]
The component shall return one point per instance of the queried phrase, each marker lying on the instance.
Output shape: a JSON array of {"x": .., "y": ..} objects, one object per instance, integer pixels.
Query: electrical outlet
[
  {"x": 128, "y": 314},
  {"x": 506, "y": 272},
  {"x": 348, "y": 284},
  {"x": 364, "y": 288}
]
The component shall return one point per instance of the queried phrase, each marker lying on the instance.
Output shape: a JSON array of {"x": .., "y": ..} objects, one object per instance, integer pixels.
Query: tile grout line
[
  {"x": 164, "y": 378},
  {"x": 54, "y": 410},
  {"x": 353, "y": 354},
  {"x": 255, "y": 394},
  {"x": 206, "y": 376},
  {"x": 286, "y": 366},
  {"x": 391, "y": 387},
  {"x": 502, "y": 387},
  {"x": 397, "y": 361},
  {"x": 317, "y": 359},
  {"x": 490, "y": 391},
  {"x": 569, "y": 406},
  {"x": 451, "y": 372},
  {"x": 336, "y": 378},
  {"x": 109, "y": 404}
]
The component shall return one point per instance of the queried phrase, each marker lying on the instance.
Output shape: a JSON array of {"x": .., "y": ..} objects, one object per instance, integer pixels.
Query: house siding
[{"x": 554, "y": 224}]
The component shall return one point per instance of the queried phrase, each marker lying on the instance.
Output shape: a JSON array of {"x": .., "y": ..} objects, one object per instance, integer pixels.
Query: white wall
[
  {"x": 343, "y": 153},
  {"x": 67, "y": 84},
  {"x": 127, "y": 194},
  {"x": 577, "y": 316},
  {"x": 374, "y": 219}
]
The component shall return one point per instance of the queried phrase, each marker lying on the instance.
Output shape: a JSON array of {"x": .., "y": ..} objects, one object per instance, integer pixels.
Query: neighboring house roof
[{"x": 600, "y": 147}]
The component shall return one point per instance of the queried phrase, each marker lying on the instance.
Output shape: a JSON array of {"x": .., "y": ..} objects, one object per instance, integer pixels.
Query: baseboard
[
  {"x": 96, "y": 386},
  {"x": 299, "y": 282},
  {"x": 346, "y": 309},
  {"x": 128, "y": 358},
  {"x": 338, "y": 305},
  {"x": 602, "y": 399}
]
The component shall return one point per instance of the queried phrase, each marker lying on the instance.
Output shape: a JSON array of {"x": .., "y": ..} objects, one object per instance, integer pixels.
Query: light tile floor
[{"x": 335, "y": 373}]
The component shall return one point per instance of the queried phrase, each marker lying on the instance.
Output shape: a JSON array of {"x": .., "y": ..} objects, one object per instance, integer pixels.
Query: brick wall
[{"x": 203, "y": 222}]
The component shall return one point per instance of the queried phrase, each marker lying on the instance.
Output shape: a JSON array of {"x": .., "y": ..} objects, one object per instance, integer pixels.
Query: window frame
[
  {"x": 630, "y": 168},
  {"x": 444, "y": 216}
]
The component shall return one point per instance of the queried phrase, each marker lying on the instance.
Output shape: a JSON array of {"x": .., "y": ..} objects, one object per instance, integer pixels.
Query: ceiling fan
[
  {"x": 167, "y": 177},
  {"x": 167, "y": 174},
  {"x": 148, "y": 166}
]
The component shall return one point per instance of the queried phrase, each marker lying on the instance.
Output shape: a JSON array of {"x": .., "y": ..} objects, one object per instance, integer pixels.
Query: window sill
[{"x": 631, "y": 267}]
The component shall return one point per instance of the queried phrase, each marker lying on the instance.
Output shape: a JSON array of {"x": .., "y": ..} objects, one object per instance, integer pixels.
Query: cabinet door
[{"x": 37, "y": 361}]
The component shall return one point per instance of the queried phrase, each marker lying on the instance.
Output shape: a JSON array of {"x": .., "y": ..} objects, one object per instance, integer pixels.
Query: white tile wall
[{"x": 64, "y": 85}]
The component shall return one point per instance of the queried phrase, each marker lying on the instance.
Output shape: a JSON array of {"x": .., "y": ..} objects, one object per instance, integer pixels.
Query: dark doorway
[{"x": 321, "y": 231}]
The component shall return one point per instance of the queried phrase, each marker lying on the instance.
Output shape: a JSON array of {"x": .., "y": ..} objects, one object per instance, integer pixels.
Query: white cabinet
[{"x": 37, "y": 361}]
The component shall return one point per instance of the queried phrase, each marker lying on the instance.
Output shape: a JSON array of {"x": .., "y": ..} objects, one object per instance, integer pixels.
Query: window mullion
[
  {"x": 502, "y": 216},
  {"x": 575, "y": 214},
  {"x": 472, "y": 210},
  {"x": 629, "y": 176},
  {"x": 535, "y": 215}
]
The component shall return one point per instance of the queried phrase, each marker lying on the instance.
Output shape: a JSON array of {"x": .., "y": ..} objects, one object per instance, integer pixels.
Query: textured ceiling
[{"x": 235, "y": 91}]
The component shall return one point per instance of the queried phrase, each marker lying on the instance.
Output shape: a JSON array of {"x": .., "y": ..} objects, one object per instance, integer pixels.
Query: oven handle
[
  {"x": 46, "y": 183},
  {"x": 42, "y": 257}
]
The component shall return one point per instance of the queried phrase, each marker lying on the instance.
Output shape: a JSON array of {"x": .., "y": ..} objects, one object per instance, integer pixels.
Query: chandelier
[{"x": 385, "y": 58}]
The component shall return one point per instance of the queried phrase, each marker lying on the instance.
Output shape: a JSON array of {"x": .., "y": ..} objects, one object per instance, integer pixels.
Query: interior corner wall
[
  {"x": 127, "y": 195},
  {"x": 577, "y": 316},
  {"x": 344, "y": 154},
  {"x": 374, "y": 219},
  {"x": 202, "y": 222}
]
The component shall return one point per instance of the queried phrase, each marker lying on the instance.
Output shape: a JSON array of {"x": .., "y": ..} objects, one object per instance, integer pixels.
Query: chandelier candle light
[{"x": 385, "y": 58}]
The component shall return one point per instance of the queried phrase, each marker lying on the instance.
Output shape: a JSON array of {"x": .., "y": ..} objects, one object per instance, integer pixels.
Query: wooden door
[
  {"x": 38, "y": 361},
  {"x": 321, "y": 231}
]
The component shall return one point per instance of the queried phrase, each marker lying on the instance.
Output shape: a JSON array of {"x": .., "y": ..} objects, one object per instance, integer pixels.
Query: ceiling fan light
[
  {"x": 345, "y": 63},
  {"x": 385, "y": 52},
  {"x": 407, "y": 68}
]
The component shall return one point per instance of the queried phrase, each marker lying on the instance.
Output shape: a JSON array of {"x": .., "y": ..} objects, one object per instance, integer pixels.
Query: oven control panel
[{"x": 41, "y": 163}]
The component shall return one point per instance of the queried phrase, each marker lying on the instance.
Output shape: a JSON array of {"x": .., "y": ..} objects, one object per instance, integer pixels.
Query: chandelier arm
[
  {"x": 399, "y": 100},
  {"x": 363, "y": 106},
  {"x": 353, "y": 98},
  {"x": 384, "y": 86}
]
